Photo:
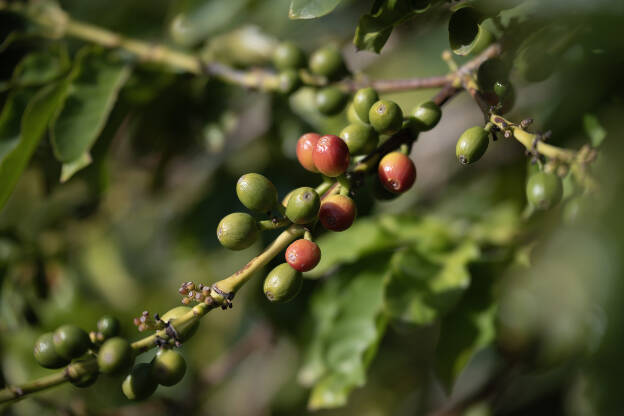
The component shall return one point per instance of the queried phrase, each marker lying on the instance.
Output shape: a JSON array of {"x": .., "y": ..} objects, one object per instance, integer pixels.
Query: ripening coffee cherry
[
  {"x": 305, "y": 149},
  {"x": 385, "y": 116},
  {"x": 168, "y": 367},
  {"x": 237, "y": 231},
  {"x": 289, "y": 81},
  {"x": 256, "y": 192},
  {"x": 282, "y": 283},
  {"x": 46, "y": 354},
  {"x": 184, "y": 331},
  {"x": 288, "y": 55},
  {"x": 327, "y": 62},
  {"x": 396, "y": 172},
  {"x": 544, "y": 190},
  {"x": 426, "y": 115},
  {"x": 363, "y": 100},
  {"x": 115, "y": 356},
  {"x": 471, "y": 145},
  {"x": 108, "y": 326},
  {"x": 331, "y": 156},
  {"x": 380, "y": 192},
  {"x": 330, "y": 101},
  {"x": 140, "y": 383},
  {"x": 70, "y": 341},
  {"x": 361, "y": 139},
  {"x": 337, "y": 212},
  {"x": 303, "y": 205},
  {"x": 303, "y": 255}
]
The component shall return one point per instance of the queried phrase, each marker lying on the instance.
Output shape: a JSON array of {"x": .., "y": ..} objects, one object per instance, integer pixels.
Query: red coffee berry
[
  {"x": 397, "y": 172},
  {"x": 331, "y": 155},
  {"x": 337, "y": 212},
  {"x": 305, "y": 149},
  {"x": 303, "y": 255}
]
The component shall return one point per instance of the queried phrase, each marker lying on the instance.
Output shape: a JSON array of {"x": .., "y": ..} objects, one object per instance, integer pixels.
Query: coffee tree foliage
[{"x": 437, "y": 170}]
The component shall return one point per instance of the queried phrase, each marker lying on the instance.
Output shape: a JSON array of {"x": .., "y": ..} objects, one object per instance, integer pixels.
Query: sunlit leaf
[
  {"x": 594, "y": 129},
  {"x": 95, "y": 84},
  {"x": 69, "y": 169},
  {"x": 309, "y": 9}
]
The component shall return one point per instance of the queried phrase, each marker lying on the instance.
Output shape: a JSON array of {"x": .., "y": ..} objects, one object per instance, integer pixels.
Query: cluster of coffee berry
[{"x": 113, "y": 355}]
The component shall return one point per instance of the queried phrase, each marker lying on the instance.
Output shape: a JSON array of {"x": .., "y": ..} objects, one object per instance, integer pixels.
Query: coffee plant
[{"x": 389, "y": 276}]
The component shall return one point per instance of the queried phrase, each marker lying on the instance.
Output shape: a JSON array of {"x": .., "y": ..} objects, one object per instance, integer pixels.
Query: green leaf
[
  {"x": 95, "y": 84},
  {"x": 348, "y": 311},
  {"x": 34, "y": 121},
  {"x": 40, "y": 67},
  {"x": 374, "y": 29},
  {"x": 10, "y": 119},
  {"x": 594, "y": 129},
  {"x": 70, "y": 169},
  {"x": 310, "y": 9},
  {"x": 366, "y": 236},
  {"x": 426, "y": 285}
]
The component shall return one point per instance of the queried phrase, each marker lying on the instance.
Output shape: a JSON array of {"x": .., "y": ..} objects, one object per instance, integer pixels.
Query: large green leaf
[
  {"x": 41, "y": 67},
  {"x": 425, "y": 285},
  {"x": 310, "y": 9},
  {"x": 10, "y": 119},
  {"x": 95, "y": 83},
  {"x": 350, "y": 322},
  {"x": 34, "y": 121}
]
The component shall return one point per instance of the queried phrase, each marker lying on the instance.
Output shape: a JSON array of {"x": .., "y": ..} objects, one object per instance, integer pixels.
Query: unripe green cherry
[
  {"x": 353, "y": 117},
  {"x": 337, "y": 212},
  {"x": 140, "y": 383},
  {"x": 305, "y": 150},
  {"x": 87, "y": 380},
  {"x": 115, "y": 356},
  {"x": 361, "y": 139},
  {"x": 544, "y": 190},
  {"x": 282, "y": 283},
  {"x": 396, "y": 172},
  {"x": 471, "y": 145},
  {"x": 330, "y": 100},
  {"x": 385, "y": 116},
  {"x": 168, "y": 367},
  {"x": 363, "y": 100},
  {"x": 288, "y": 55},
  {"x": 490, "y": 72},
  {"x": 184, "y": 331},
  {"x": 108, "y": 326},
  {"x": 303, "y": 255},
  {"x": 289, "y": 81},
  {"x": 237, "y": 231},
  {"x": 70, "y": 341},
  {"x": 256, "y": 192},
  {"x": 327, "y": 62},
  {"x": 501, "y": 89},
  {"x": 426, "y": 115},
  {"x": 46, "y": 354},
  {"x": 303, "y": 205}
]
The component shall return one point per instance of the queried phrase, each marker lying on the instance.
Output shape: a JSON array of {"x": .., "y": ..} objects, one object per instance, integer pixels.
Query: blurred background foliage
[{"x": 442, "y": 294}]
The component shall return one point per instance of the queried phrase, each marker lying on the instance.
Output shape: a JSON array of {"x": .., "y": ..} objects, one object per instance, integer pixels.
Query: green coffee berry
[
  {"x": 86, "y": 380},
  {"x": 237, "y": 231},
  {"x": 363, "y": 100},
  {"x": 115, "y": 356},
  {"x": 501, "y": 89},
  {"x": 282, "y": 283},
  {"x": 108, "y": 326},
  {"x": 352, "y": 115},
  {"x": 330, "y": 100},
  {"x": 385, "y": 116},
  {"x": 361, "y": 139},
  {"x": 70, "y": 341},
  {"x": 184, "y": 331},
  {"x": 46, "y": 354},
  {"x": 327, "y": 62},
  {"x": 140, "y": 383},
  {"x": 303, "y": 205},
  {"x": 426, "y": 115},
  {"x": 256, "y": 192},
  {"x": 288, "y": 55},
  {"x": 490, "y": 72},
  {"x": 168, "y": 367},
  {"x": 544, "y": 190},
  {"x": 471, "y": 145},
  {"x": 289, "y": 81}
]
